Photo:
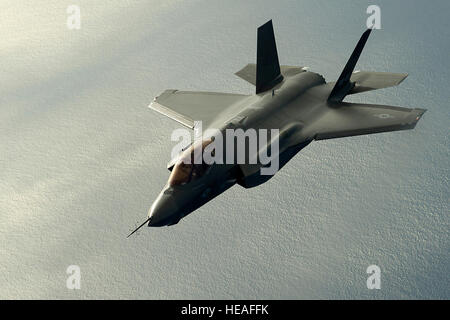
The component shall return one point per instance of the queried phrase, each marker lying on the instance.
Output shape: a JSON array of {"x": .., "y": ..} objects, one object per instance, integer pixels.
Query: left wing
[
  {"x": 351, "y": 119},
  {"x": 189, "y": 106}
]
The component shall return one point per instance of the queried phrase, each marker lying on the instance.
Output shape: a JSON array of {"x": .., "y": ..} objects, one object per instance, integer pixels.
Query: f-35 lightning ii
[{"x": 300, "y": 104}]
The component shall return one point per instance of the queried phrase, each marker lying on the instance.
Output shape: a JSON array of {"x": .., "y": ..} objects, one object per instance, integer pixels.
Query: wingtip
[
  {"x": 417, "y": 116},
  {"x": 421, "y": 112}
]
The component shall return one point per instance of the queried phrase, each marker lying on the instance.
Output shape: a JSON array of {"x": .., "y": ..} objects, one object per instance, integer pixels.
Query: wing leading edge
[
  {"x": 351, "y": 119},
  {"x": 186, "y": 107}
]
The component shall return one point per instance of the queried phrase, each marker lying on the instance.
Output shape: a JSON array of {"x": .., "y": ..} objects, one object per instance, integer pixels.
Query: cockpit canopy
[{"x": 190, "y": 166}]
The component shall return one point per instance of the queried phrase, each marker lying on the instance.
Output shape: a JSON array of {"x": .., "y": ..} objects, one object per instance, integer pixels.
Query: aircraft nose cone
[{"x": 162, "y": 210}]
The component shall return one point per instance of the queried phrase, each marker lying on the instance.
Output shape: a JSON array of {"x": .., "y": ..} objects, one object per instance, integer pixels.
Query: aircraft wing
[
  {"x": 189, "y": 106},
  {"x": 350, "y": 119}
]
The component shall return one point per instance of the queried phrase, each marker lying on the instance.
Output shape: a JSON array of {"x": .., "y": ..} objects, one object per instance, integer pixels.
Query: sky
[{"x": 82, "y": 157}]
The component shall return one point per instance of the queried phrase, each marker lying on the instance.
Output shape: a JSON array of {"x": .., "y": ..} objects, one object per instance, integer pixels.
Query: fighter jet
[{"x": 298, "y": 103}]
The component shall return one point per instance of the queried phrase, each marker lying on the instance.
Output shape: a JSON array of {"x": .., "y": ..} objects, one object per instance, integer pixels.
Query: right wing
[
  {"x": 189, "y": 106},
  {"x": 351, "y": 119}
]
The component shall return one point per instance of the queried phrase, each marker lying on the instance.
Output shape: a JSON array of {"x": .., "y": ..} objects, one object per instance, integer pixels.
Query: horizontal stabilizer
[
  {"x": 248, "y": 73},
  {"x": 367, "y": 80}
]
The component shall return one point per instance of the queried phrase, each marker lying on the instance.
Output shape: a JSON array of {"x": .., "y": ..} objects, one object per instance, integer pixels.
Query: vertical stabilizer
[
  {"x": 343, "y": 86},
  {"x": 267, "y": 66}
]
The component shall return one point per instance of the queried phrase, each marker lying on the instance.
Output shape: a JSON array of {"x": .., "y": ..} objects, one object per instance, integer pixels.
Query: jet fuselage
[{"x": 268, "y": 110}]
